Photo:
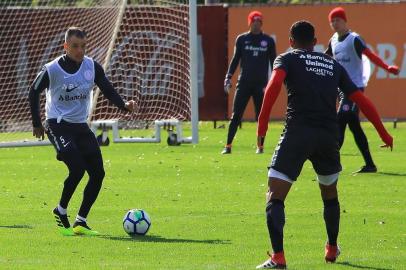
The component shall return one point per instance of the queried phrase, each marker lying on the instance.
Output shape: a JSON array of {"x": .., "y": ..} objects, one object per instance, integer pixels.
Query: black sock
[
  {"x": 275, "y": 219},
  {"x": 332, "y": 219}
]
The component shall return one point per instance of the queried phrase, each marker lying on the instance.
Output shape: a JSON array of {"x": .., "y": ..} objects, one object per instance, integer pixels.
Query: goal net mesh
[{"x": 144, "y": 50}]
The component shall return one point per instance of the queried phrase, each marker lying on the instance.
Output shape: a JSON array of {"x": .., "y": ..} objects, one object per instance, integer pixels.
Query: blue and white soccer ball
[{"x": 136, "y": 222}]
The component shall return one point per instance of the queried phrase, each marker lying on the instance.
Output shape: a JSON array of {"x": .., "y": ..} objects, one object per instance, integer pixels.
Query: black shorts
[
  {"x": 346, "y": 105},
  {"x": 72, "y": 137},
  {"x": 298, "y": 144}
]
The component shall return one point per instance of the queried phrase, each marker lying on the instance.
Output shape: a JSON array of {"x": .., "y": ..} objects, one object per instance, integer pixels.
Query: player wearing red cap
[
  {"x": 255, "y": 51},
  {"x": 347, "y": 48}
]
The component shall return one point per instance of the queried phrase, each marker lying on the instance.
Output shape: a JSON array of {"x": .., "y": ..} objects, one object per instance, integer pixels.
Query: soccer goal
[{"x": 146, "y": 47}]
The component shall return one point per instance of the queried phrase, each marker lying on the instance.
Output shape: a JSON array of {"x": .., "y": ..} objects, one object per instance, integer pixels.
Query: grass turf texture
[{"x": 207, "y": 209}]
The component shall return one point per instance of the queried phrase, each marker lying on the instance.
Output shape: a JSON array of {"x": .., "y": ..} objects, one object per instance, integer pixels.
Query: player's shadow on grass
[
  {"x": 16, "y": 227},
  {"x": 392, "y": 174},
  {"x": 361, "y": 266},
  {"x": 160, "y": 239}
]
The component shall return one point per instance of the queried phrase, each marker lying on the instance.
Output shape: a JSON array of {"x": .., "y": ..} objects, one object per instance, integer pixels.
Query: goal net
[{"x": 144, "y": 47}]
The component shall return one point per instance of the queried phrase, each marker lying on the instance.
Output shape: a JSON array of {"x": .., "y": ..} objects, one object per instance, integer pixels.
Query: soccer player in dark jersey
[
  {"x": 255, "y": 51},
  {"x": 310, "y": 133},
  {"x": 69, "y": 81},
  {"x": 347, "y": 48}
]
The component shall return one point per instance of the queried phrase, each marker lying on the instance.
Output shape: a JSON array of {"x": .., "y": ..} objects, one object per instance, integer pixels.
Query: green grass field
[{"x": 207, "y": 210}]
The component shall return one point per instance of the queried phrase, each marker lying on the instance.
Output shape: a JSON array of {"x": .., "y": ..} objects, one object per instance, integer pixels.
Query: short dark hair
[
  {"x": 302, "y": 32},
  {"x": 74, "y": 31}
]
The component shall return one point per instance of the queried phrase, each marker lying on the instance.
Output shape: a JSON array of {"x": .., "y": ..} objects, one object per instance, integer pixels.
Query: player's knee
[
  {"x": 97, "y": 174},
  {"x": 76, "y": 173},
  {"x": 236, "y": 118}
]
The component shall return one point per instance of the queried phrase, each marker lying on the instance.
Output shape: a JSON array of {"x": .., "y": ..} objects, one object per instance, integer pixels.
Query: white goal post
[{"x": 147, "y": 47}]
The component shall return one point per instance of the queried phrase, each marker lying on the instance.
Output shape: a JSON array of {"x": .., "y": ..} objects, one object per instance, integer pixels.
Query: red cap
[
  {"x": 254, "y": 15},
  {"x": 337, "y": 12}
]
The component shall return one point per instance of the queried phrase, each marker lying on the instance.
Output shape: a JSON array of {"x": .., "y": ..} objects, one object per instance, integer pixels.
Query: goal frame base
[{"x": 171, "y": 125}]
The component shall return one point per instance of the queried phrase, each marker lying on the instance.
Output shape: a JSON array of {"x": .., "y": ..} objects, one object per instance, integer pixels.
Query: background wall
[{"x": 385, "y": 35}]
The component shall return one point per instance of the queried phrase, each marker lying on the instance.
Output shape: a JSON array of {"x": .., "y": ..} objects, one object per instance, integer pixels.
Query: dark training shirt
[
  {"x": 257, "y": 53},
  {"x": 311, "y": 81},
  {"x": 41, "y": 82}
]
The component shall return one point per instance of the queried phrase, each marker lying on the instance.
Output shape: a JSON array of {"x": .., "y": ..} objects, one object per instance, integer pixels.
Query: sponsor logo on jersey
[
  {"x": 72, "y": 98},
  {"x": 253, "y": 48},
  {"x": 319, "y": 65}
]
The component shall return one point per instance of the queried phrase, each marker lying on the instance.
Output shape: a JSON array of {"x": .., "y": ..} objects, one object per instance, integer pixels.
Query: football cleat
[
  {"x": 331, "y": 253},
  {"x": 63, "y": 223},
  {"x": 260, "y": 150},
  {"x": 226, "y": 150},
  {"x": 81, "y": 228},
  {"x": 367, "y": 169},
  {"x": 275, "y": 261}
]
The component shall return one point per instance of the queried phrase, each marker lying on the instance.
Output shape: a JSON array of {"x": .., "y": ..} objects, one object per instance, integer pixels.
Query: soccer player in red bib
[
  {"x": 347, "y": 48},
  {"x": 310, "y": 133}
]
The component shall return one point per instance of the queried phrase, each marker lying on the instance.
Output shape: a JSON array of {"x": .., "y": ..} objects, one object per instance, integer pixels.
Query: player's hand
[
  {"x": 394, "y": 70},
  {"x": 130, "y": 105},
  {"x": 227, "y": 85},
  {"x": 388, "y": 140},
  {"x": 38, "y": 132}
]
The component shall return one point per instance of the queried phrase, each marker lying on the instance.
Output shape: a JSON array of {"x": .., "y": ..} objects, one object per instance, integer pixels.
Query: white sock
[
  {"x": 62, "y": 211},
  {"x": 80, "y": 219}
]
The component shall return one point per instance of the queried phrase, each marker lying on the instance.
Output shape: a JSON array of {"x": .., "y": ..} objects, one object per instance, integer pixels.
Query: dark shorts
[
  {"x": 346, "y": 105},
  {"x": 298, "y": 144},
  {"x": 72, "y": 137}
]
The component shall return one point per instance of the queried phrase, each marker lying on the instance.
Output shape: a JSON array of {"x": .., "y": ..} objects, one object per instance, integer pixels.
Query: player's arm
[
  {"x": 272, "y": 52},
  {"x": 108, "y": 90},
  {"x": 366, "y": 106},
  {"x": 329, "y": 50},
  {"x": 361, "y": 48},
  {"x": 40, "y": 83},
  {"x": 272, "y": 91},
  {"x": 233, "y": 64}
]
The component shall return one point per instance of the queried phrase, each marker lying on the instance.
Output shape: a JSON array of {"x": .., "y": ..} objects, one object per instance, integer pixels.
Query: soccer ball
[{"x": 136, "y": 222}]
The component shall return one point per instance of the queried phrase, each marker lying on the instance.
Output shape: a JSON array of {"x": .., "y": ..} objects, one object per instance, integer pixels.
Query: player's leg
[
  {"x": 342, "y": 117},
  {"x": 258, "y": 96},
  {"x": 331, "y": 214},
  {"x": 279, "y": 185},
  {"x": 326, "y": 162},
  {"x": 62, "y": 137},
  {"x": 240, "y": 102},
  {"x": 287, "y": 162},
  {"x": 94, "y": 166},
  {"x": 342, "y": 125},
  {"x": 361, "y": 141}
]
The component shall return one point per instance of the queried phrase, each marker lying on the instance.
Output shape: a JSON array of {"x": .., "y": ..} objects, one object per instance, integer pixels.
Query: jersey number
[{"x": 255, "y": 53}]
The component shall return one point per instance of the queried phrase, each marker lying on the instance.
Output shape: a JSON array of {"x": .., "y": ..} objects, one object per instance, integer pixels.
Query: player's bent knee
[
  {"x": 76, "y": 174},
  {"x": 97, "y": 175},
  {"x": 328, "y": 180}
]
